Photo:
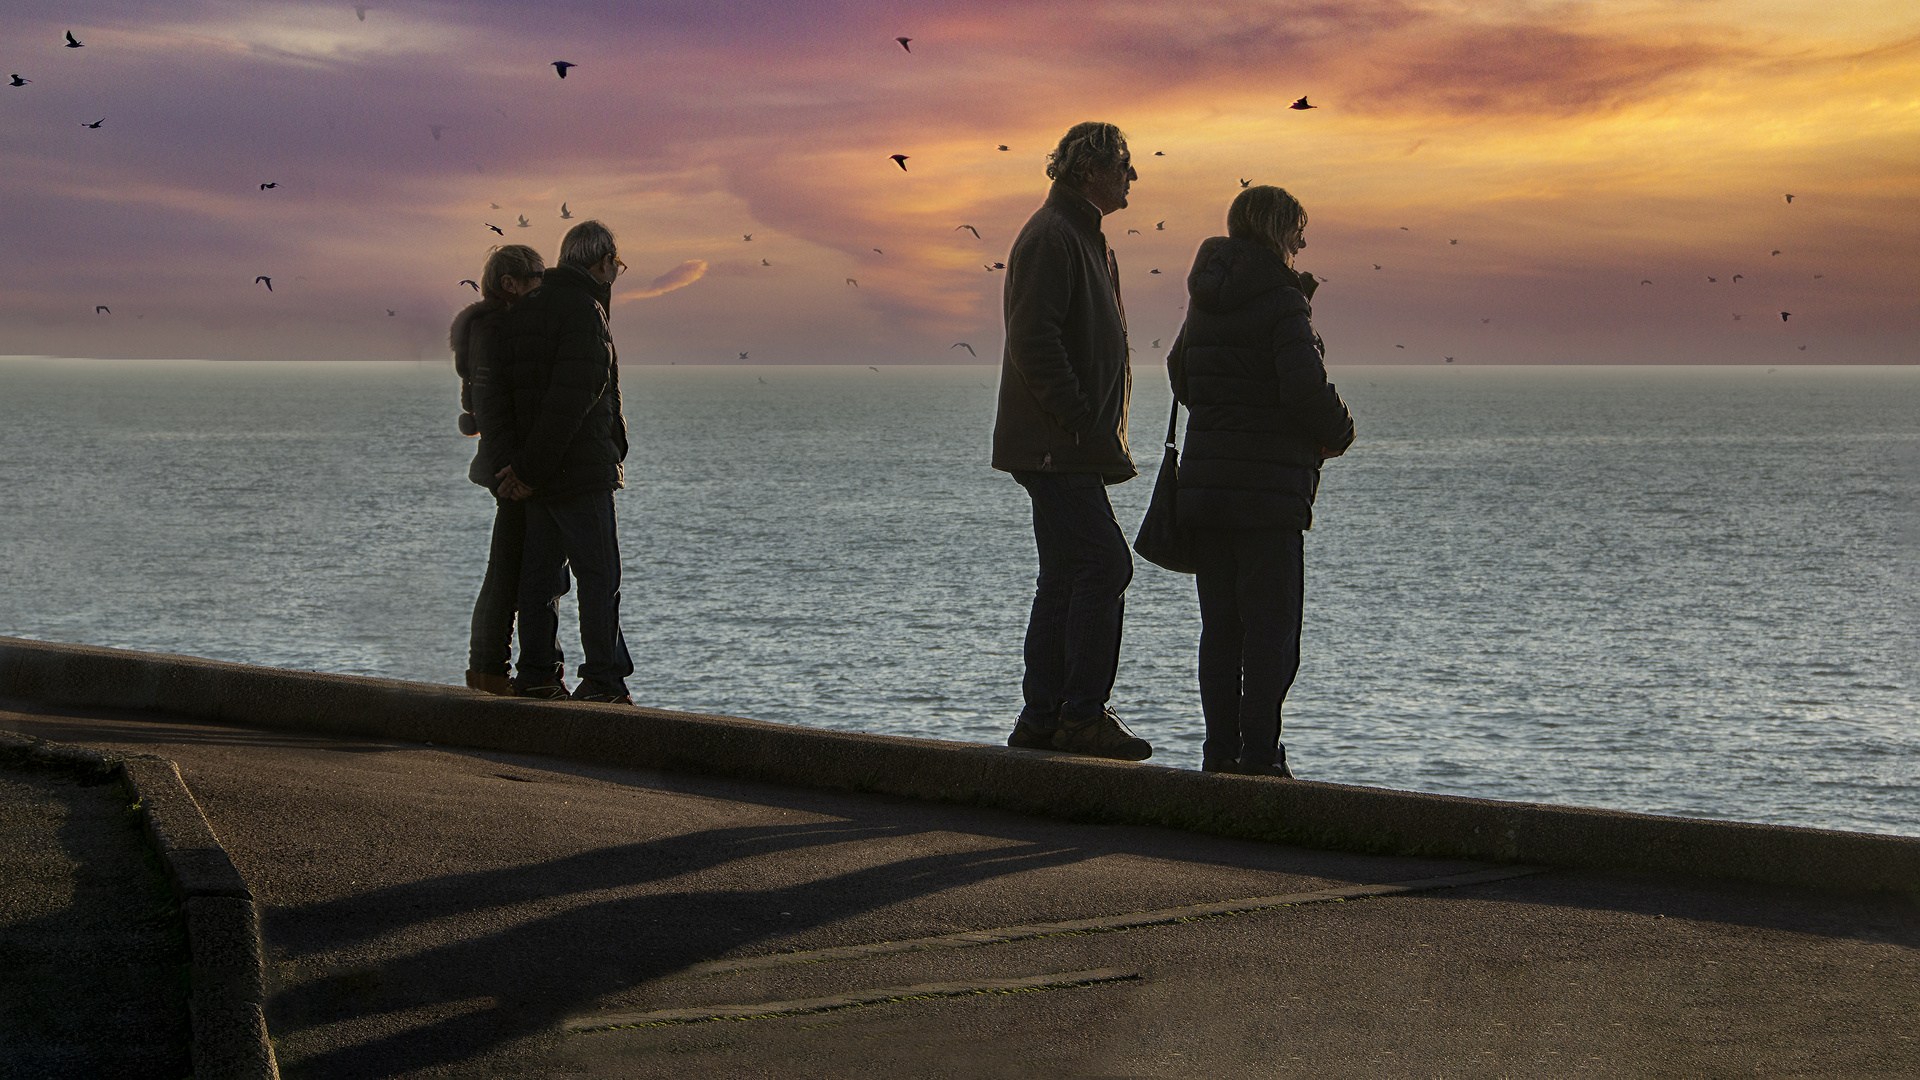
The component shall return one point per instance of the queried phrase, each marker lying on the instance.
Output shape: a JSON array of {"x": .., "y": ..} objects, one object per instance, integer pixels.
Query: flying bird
[
  {"x": 903, "y": 43},
  {"x": 1153, "y": 271},
  {"x": 435, "y": 130},
  {"x": 1403, "y": 228},
  {"x": 1790, "y": 202},
  {"x": 1737, "y": 277},
  {"x": 1449, "y": 359},
  {"x": 264, "y": 280},
  {"x": 1803, "y": 348},
  {"x": 1776, "y": 251},
  {"x": 743, "y": 356},
  {"x": 1712, "y": 278},
  {"x": 1302, "y": 104},
  {"x": 1003, "y": 146},
  {"x": 1736, "y": 318},
  {"x": 565, "y": 214},
  {"x": 1453, "y": 241},
  {"x": 1156, "y": 343},
  {"x": 1160, "y": 226},
  {"x": 746, "y": 236},
  {"x": 1486, "y": 320},
  {"x": 1399, "y": 346},
  {"x": 360, "y": 12},
  {"x": 969, "y": 228},
  {"x": 495, "y": 228},
  {"x": 1646, "y": 281},
  {"x": 523, "y": 221},
  {"x": 900, "y": 160},
  {"x": 877, "y": 251},
  {"x": 72, "y": 42},
  {"x": 493, "y": 206},
  {"x": 1133, "y": 232},
  {"x": 853, "y": 283},
  {"x": 1785, "y": 315},
  {"x": 561, "y": 66},
  {"x": 101, "y": 309},
  {"x": 1159, "y": 153},
  {"x": 963, "y": 345},
  {"x": 96, "y": 123},
  {"x": 18, "y": 81},
  {"x": 1376, "y": 266},
  {"x": 270, "y": 187},
  {"x": 870, "y": 367},
  {"x": 471, "y": 282},
  {"x": 391, "y": 313},
  {"x": 1244, "y": 183},
  {"x": 764, "y": 262},
  {"x": 996, "y": 266}
]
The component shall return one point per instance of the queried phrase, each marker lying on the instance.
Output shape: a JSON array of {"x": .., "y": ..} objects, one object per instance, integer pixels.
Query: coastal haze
[{"x": 1516, "y": 171}]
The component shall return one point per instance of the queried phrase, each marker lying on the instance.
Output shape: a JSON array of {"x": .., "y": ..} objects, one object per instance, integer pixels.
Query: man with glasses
[
  {"x": 1061, "y": 431},
  {"x": 572, "y": 439}
]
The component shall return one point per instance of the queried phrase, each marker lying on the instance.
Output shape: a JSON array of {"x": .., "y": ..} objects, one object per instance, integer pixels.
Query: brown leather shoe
[
  {"x": 1100, "y": 735},
  {"x": 492, "y": 684}
]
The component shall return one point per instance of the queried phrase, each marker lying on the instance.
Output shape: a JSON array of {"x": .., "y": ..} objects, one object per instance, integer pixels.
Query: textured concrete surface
[
  {"x": 430, "y": 912},
  {"x": 92, "y": 961},
  {"x": 1333, "y": 816}
]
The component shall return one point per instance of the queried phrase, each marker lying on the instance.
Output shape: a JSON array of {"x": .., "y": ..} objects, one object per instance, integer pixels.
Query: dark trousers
[
  {"x": 1250, "y": 603},
  {"x": 490, "y": 643},
  {"x": 1073, "y": 636},
  {"x": 574, "y": 531}
]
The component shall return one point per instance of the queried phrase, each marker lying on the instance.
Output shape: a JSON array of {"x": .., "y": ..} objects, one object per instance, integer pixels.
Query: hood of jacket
[
  {"x": 457, "y": 333},
  {"x": 1228, "y": 273},
  {"x": 572, "y": 277}
]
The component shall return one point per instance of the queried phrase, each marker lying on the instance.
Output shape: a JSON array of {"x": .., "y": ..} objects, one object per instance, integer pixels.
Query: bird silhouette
[
  {"x": 996, "y": 266},
  {"x": 470, "y": 282},
  {"x": 1156, "y": 343},
  {"x": 435, "y": 130},
  {"x": 743, "y": 356},
  {"x": 1302, "y": 104},
  {"x": 495, "y": 228},
  {"x": 1453, "y": 241},
  {"x": 1785, "y": 315},
  {"x": 877, "y": 251},
  {"x": 903, "y": 43},
  {"x": 523, "y": 221},
  {"x": 1376, "y": 266},
  {"x": 1159, "y": 153},
  {"x": 269, "y": 187},
  {"x": 561, "y": 66},
  {"x": 900, "y": 160},
  {"x": 1449, "y": 359},
  {"x": 360, "y": 12},
  {"x": 1736, "y": 318},
  {"x": 853, "y": 283},
  {"x": 764, "y": 262},
  {"x": 1003, "y": 146},
  {"x": 493, "y": 206},
  {"x": 72, "y": 42},
  {"x": 762, "y": 379},
  {"x": 1133, "y": 232},
  {"x": 101, "y": 309},
  {"x": 1790, "y": 200},
  {"x": 963, "y": 345},
  {"x": 870, "y": 367},
  {"x": 1403, "y": 228},
  {"x": 391, "y": 313},
  {"x": 1244, "y": 183},
  {"x": 1153, "y": 271},
  {"x": 1399, "y": 346},
  {"x": 1486, "y": 320},
  {"x": 18, "y": 81},
  {"x": 96, "y": 123},
  {"x": 565, "y": 214},
  {"x": 1803, "y": 348},
  {"x": 969, "y": 228},
  {"x": 1776, "y": 251},
  {"x": 1646, "y": 281},
  {"x": 1712, "y": 278},
  {"x": 1737, "y": 277},
  {"x": 1160, "y": 226},
  {"x": 264, "y": 280}
]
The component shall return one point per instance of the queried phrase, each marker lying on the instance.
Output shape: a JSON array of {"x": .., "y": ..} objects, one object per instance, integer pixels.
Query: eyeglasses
[{"x": 618, "y": 265}]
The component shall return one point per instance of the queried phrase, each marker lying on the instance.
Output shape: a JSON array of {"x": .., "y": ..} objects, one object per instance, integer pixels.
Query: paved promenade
[{"x": 437, "y": 912}]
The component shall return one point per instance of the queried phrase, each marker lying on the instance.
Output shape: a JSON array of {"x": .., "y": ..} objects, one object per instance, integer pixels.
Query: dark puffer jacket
[
  {"x": 1064, "y": 378},
  {"x": 564, "y": 378},
  {"x": 1251, "y": 370},
  {"x": 475, "y": 359}
]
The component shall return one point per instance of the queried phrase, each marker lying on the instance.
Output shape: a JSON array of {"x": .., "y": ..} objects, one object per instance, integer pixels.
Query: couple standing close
[
  {"x": 1263, "y": 416},
  {"x": 540, "y": 386}
]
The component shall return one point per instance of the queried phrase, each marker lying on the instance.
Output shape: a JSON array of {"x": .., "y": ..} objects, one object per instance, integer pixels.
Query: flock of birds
[{"x": 562, "y": 67}]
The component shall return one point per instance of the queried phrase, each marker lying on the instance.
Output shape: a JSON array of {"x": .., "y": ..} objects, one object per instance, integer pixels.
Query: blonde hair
[
  {"x": 1084, "y": 150},
  {"x": 509, "y": 260},
  {"x": 1265, "y": 215}
]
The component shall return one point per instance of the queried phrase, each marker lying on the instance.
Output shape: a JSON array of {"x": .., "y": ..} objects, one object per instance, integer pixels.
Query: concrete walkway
[{"x": 434, "y": 912}]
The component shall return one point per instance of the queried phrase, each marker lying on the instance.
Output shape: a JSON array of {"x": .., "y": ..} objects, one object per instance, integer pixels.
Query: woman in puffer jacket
[
  {"x": 1250, "y": 370},
  {"x": 486, "y": 404}
]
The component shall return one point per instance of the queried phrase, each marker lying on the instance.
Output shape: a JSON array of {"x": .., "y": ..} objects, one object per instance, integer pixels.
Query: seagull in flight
[
  {"x": 1244, "y": 183},
  {"x": 1160, "y": 226},
  {"x": 1376, "y": 266},
  {"x": 1736, "y": 318},
  {"x": 900, "y": 160},
  {"x": 360, "y": 12},
  {"x": 853, "y": 283},
  {"x": 1737, "y": 277},
  {"x": 969, "y": 228},
  {"x": 72, "y": 42},
  {"x": 764, "y": 262},
  {"x": 903, "y": 43},
  {"x": 96, "y": 123},
  {"x": 877, "y": 251},
  {"x": 1302, "y": 104},
  {"x": 18, "y": 81},
  {"x": 1712, "y": 278},
  {"x": 270, "y": 187},
  {"x": 494, "y": 227},
  {"x": 963, "y": 345},
  {"x": 1790, "y": 203},
  {"x": 264, "y": 280},
  {"x": 1403, "y": 228},
  {"x": 1133, "y": 232},
  {"x": 1399, "y": 346},
  {"x": 435, "y": 130},
  {"x": 1003, "y": 146},
  {"x": 391, "y": 313},
  {"x": 1646, "y": 281},
  {"x": 471, "y": 282},
  {"x": 1159, "y": 153},
  {"x": 870, "y": 367},
  {"x": 565, "y": 214},
  {"x": 493, "y": 206},
  {"x": 1153, "y": 271},
  {"x": 1449, "y": 359},
  {"x": 995, "y": 266},
  {"x": 1776, "y": 251},
  {"x": 101, "y": 309},
  {"x": 746, "y": 236},
  {"x": 1453, "y": 241},
  {"x": 561, "y": 66},
  {"x": 1785, "y": 315},
  {"x": 1156, "y": 343},
  {"x": 523, "y": 221},
  {"x": 743, "y": 356}
]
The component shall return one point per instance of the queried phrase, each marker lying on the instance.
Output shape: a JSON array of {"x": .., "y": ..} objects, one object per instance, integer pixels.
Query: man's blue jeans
[
  {"x": 1073, "y": 636},
  {"x": 576, "y": 531}
]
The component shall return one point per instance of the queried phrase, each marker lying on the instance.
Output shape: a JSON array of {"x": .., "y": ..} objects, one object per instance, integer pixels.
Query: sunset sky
[{"x": 1572, "y": 151}]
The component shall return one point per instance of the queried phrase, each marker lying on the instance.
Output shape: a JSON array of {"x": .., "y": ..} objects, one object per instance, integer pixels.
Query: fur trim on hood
[{"x": 457, "y": 333}]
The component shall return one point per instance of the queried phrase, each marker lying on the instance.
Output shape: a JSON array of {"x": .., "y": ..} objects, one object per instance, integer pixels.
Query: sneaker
[
  {"x": 1277, "y": 769},
  {"x": 492, "y": 684},
  {"x": 553, "y": 691},
  {"x": 590, "y": 692},
  {"x": 1027, "y": 737},
  {"x": 1219, "y": 764},
  {"x": 1101, "y": 735}
]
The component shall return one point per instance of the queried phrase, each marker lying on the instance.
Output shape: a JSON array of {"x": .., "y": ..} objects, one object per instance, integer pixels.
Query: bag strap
[{"x": 1173, "y": 422}]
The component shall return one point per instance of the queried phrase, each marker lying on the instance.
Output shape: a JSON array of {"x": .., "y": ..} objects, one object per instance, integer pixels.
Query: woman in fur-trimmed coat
[{"x": 486, "y": 410}]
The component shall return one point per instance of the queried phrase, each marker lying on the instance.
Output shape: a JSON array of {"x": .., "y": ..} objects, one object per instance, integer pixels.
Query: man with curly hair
[{"x": 1061, "y": 431}]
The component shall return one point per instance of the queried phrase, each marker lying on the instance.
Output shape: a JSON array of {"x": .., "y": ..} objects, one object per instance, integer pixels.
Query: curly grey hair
[{"x": 1084, "y": 150}]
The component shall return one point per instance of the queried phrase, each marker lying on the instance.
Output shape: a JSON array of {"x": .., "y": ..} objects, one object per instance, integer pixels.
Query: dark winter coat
[
  {"x": 476, "y": 359},
  {"x": 1251, "y": 370},
  {"x": 1064, "y": 378},
  {"x": 564, "y": 380}
]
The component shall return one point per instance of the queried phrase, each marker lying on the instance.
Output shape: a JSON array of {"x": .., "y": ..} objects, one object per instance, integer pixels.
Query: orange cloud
[{"x": 677, "y": 278}]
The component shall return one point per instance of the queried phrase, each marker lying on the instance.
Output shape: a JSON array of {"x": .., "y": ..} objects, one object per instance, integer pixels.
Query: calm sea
[{"x": 1684, "y": 591}]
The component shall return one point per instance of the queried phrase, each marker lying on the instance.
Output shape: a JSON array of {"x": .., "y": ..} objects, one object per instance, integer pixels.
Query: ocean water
[{"x": 1684, "y": 591}]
